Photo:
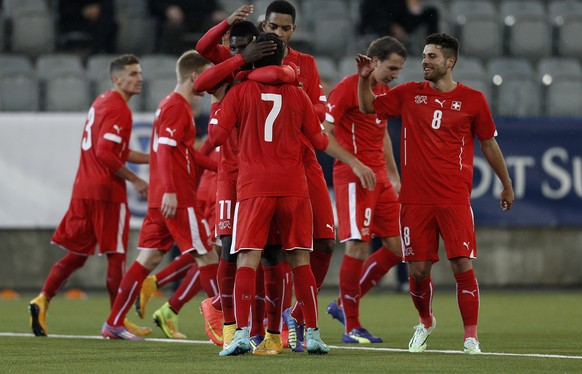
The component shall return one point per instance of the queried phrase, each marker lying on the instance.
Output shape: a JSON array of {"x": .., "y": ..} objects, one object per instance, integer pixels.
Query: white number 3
[{"x": 276, "y": 99}]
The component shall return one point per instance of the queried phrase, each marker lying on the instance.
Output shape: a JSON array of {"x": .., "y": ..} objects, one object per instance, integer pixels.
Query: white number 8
[
  {"x": 406, "y": 235},
  {"x": 437, "y": 116}
]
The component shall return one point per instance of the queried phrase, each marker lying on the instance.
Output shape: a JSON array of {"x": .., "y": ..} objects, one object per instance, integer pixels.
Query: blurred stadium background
[{"x": 523, "y": 54}]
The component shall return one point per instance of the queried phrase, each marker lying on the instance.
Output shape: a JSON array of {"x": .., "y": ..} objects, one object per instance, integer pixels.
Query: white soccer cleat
[
  {"x": 471, "y": 347},
  {"x": 418, "y": 341}
]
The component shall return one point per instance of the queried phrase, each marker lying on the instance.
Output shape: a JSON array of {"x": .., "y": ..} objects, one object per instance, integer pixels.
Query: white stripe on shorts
[
  {"x": 354, "y": 231},
  {"x": 120, "y": 248},
  {"x": 195, "y": 232}
]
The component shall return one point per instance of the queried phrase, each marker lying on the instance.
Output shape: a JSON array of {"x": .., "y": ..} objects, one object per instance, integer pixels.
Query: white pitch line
[{"x": 377, "y": 349}]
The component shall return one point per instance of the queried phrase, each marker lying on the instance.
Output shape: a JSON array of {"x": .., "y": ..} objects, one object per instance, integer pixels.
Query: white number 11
[{"x": 276, "y": 99}]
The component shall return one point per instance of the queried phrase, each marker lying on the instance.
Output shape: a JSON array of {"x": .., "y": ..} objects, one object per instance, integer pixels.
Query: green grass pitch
[{"x": 519, "y": 331}]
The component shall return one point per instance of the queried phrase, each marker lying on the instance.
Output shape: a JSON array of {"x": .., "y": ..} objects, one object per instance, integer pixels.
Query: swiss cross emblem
[{"x": 456, "y": 105}]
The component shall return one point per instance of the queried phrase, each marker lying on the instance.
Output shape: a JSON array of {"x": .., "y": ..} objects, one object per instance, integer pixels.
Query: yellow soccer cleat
[
  {"x": 37, "y": 309},
  {"x": 167, "y": 320},
  {"x": 149, "y": 287},
  {"x": 228, "y": 333},
  {"x": 135, "y": 329},
  {"x": 212, "y": 321},
  {"x": 271, "y": 345}
]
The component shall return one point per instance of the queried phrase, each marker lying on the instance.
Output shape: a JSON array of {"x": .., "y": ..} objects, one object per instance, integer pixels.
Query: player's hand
[
  {"x": 255, "y": 51},
  {"x": 141, "y": 187},
  {"x": 365, "y": 67},
  {"x": 506, "y": 199},
  {"x": 366, "y": 175},
  {"x": 169, "y": 205},
  {"x": 240, "y": 14}
]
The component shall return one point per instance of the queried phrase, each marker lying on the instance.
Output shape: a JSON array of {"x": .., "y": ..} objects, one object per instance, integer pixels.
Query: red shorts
[
  {"x": 187, "y": 229},
  {"x": 224, "y": 206},
  {"x": 91, "y": 222},
  {"x": 323, "y": 222},
  {"x": 362, "y": 213},
  {"x": 290, "y": 214},
  {"x": 421, "y": 226}
]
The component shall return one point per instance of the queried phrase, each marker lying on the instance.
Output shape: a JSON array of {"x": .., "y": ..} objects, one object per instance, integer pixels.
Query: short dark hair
[
  {"x": 277, "y": 57},
  {"x": 281, "y": 6},
  {"x": 383, "y": 47},
  {"x": 244, "y": 29},
  {"x": 119, "y": 63},
  {"x": 449, "y": 44}
]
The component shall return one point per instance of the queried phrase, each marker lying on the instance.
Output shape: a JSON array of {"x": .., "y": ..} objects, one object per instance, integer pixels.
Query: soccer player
[
  {"x": 98, "y": 212},
  {"x": 242, "y": 52},
  {"x": 364, "y": 212},
  {"x": 173, "y": 210},
  {"x": 271, "y": 188},
  {"x": 440, "y": 120},
  {"x": 181, "y": 266},
  {"x": 280, "y": 19}
]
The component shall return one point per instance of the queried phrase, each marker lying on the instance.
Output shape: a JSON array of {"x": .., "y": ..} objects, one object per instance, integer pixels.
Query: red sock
[
  {"x": 319, "y": 266},
  {"x": 115, "y": 271},
  {"x": 175, "y": 270},
  {"x": 60, "y": 273},
  {"x": 421, "y": 293},
  {"x": 189, "y": 287},
  {"x": 468, "y": 300},
  {"x": 208, "y": 279},
  {"x": 375, "y": 267},
  {"x": 349, "y": 286},
  {"x": 287, "y": 273},
  {"x": 128, "y": 291},
  {"x": 226, "y": 274},
  {"x": 244, "y": 293},
  {"x": 258, "y": 305},
  {"x": 273, "y": 297},
  {"x": 306, "y": 293}
]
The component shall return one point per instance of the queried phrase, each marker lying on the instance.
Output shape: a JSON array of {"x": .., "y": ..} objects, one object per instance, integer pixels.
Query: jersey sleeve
[
  {"x": 170, "y": 132},
  {"x": 389, "y": 105},
  {"x": 311, "y": 126},
  {"x": 209, "y": 45},
  {"x": 223, "y": 119},
  {"x": 213, "y": 76},
  {"x": 274, "y": 75},
  {"x": 111, "y": 148},
  {"x": 340, "y": 99},
  {"x": 314, "y": 89},
  {"x": 483, "y": 123}
]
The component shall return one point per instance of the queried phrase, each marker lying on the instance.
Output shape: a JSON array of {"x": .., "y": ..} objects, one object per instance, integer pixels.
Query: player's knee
[{"x": 324, "y": 245}]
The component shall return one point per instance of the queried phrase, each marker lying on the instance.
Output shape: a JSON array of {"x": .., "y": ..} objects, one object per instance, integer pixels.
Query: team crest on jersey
[
  {"x": 456, "y": 105},
  {"x": 223, "y": 225},
  {"x": 421, "y": 99},
  {"x": 408, "y": 251}
]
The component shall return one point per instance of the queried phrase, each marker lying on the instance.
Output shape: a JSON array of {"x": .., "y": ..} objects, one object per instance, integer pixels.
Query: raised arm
[
  {"x": 365, "y": 94},
  {"x": 494, "y": 157}
]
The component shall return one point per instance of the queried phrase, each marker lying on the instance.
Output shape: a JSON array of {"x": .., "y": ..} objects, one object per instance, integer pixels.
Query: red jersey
[
  {"x": 360, "y": 134},
  {"x": 270, "y": 119},
  {"x": 172, "y": 164},
  {"x": 437, "y": 139},
  {"x": 104, "y": 149},
  {"x": 308, "y": 79}
]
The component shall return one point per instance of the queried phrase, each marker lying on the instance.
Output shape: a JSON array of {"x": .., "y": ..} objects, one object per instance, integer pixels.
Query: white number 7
[{"x": 276, "y": 99}]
